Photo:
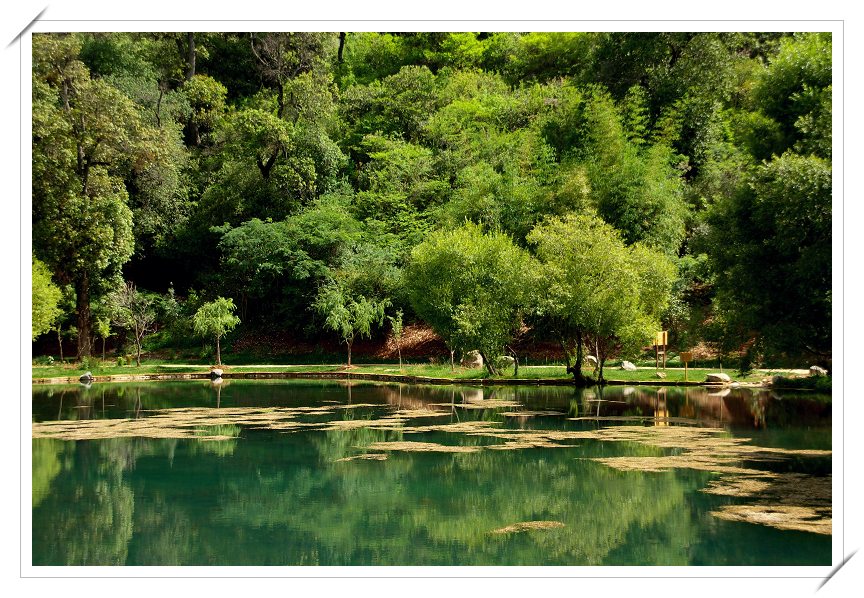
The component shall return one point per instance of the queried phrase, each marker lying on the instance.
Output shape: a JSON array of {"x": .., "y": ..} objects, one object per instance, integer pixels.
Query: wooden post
[
  {"x": 660, "y": 340},
  {"x": 665, "y": 345},
  {"x": 686, "y": 357}
]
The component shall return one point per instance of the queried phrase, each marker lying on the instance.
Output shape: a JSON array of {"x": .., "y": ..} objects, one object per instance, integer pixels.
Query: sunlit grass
[
  {"x": 425, "y": 370},
  {"x": 107, "y": 368}
]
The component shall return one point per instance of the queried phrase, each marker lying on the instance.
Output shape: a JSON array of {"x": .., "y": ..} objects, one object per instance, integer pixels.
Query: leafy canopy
[
  {"x": 46, "y": 299},
  {"x": 471, "y": 287},
  {"x": 215, "y": 318},
  {"x": 597, "y": 288}
]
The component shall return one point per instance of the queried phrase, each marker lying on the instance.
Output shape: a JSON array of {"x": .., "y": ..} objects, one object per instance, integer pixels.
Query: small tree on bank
[
  {"x": 396, "y": 325},
  {"x": 215, "y": 319},
  {"x": 134, "y": 312},
  {"x": 348, "y": 315},
  {"x": 102, "y": 328}
]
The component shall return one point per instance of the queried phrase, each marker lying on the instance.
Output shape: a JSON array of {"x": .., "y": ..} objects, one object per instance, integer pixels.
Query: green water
[{"x": 265, "y": 495}]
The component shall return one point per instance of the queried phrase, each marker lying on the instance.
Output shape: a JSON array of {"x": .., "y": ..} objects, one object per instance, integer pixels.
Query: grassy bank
[
  {"x": 110, "y": 369},
  {"x": 421, "y": 370}
]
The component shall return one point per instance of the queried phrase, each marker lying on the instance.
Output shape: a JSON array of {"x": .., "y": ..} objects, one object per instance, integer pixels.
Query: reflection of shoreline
[{"x": 737, "y": 407}]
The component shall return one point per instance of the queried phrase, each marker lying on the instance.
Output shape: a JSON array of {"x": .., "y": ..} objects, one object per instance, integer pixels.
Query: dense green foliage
[
  {"x": 301, "y": 174},
  {"x": 46, "y": 299},
  {"x": 598, "y": 291},
  {"x": 472, "y": 288}
]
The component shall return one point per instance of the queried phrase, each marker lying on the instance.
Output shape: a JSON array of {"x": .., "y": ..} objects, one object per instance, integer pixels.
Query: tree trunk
[
  {"x": 349, "y": 352},
  {"x": 103, "y": 348},
  {"x": 579, "y": 378},
  {"x": 280, "y": 99},
  {"x": 218, "y": 352},
  {"x": 452, "y": 364},
  {"x": 341, "y": 47},
  {"x": 190, "y": 56},
  {"x": 580, "y": 355},
  {"x": 399, "y": 350},
  {"x": 566, "y": 353},
  {"x": 266, "y": 167},
  {"x": 137, "y": 351},
  {"x": 82, "y": 304},
  {"x": 60, "y": 343},
  {"x": 601, "y": 359},
  {"x": 490, "y": 367},
  {"x": 515, "y": 362}
]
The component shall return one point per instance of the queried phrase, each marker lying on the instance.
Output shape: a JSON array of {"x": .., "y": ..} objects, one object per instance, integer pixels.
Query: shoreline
[{"x": 377, "y": 377}]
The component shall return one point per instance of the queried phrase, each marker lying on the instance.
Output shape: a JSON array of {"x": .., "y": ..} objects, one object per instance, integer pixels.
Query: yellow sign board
[
  {"x": 686, "y": 356},
  {"x": 661, "y": 338}
]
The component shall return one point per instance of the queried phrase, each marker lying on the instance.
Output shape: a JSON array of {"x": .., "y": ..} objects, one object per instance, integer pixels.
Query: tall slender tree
[{"x": 88, "y": 139}]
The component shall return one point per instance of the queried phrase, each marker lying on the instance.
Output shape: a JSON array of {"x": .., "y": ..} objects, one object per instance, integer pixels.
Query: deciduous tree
[
  {"x": 135, "y": 312},
  {"x": 46, "y": 299},
  {"x": 88, "y": 139},
  {"x": 214, "y": 320},
  {"x": 347, "y": 314},
  {"x": 597, "y": 291},
  {"x": 471, "y": 287}
]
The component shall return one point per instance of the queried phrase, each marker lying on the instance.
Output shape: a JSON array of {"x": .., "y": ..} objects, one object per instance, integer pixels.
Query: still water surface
[{"x": 323, "y": 473}]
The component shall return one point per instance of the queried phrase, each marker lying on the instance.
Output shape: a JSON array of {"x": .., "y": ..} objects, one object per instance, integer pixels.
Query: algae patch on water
[
  {"x": 427, "y": 447},
  {"x": 801, "y": 518},
  {"x": 526, "y": 526},
  {"x": 365, "y": 457},
  {"x": 182, "y": 422},
  {"x": 793, "y": 501}
]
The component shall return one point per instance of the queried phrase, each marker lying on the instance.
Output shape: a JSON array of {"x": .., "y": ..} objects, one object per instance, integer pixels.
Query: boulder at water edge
[
  {"x": 815, "y": 370},
  {"x": 626, "y": 365},
  {"x": 86, "y": 377},
  {"x": 215, "y": 373},
  {"x": 472, "y": 359},
  {"x": 718, "y": 378},
  {"x": 591, "y": 361}
]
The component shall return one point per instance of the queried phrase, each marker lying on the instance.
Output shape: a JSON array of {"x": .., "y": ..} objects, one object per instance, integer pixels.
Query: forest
[{"x": 581, "y": 189}]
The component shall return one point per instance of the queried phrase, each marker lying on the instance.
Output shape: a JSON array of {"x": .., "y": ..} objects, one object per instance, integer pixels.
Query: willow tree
[
  {"x": 214, "y": 320},
  {"x": 597, "y": 291}
]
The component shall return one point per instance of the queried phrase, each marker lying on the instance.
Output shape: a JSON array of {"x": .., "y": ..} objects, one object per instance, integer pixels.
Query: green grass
[
  {"x": 676, "y": 375},
  {"x": 555, "y": 372},
  {"x": 423, "y": 370},
  {"x": 159, "y": 367}
]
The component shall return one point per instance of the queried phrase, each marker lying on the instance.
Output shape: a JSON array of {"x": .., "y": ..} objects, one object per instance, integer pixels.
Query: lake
[{"x": 307, "y": 472}]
